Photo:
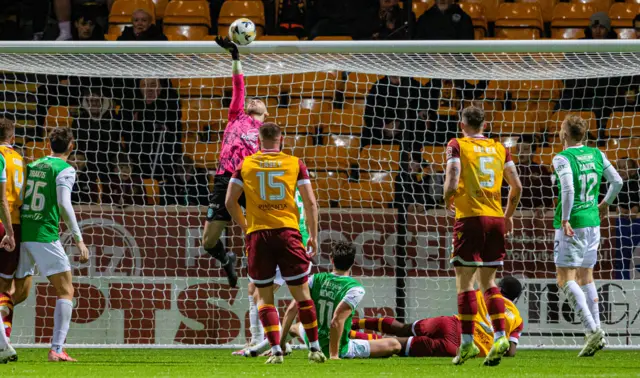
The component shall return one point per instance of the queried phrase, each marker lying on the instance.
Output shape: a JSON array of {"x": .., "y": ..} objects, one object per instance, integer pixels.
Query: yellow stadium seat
[
  {"x": 265, "y": 85},
  {"x": 278, "y": 38},
  {"x": 122, "y": 10},
  {"x": 205, "y": 155},
  {"x": 534, "y": 89},
  {"x": 376, "y": 191},
  {"x": 623, "y": 124},
  {"x": 189, "y": 32},
  {"x": 161, "y": 5},
  {"x": 546, "y": 6},
  {"x": 570, "y": 20},
  {"x": 251, "y": 9},
  {"x": 111, "y": 37},
  {"x": 476, "y": 12},
  {"x": 338, "y": 155},
  {"x": 35, "y": 150},
  {"x": 436, "y": 156},
  {"x": 198, "y": 87},
  {"x": 294, "y": 144},
  {"x": 58, "y": 116},
  {"x": 188, "y": 18},
  {"x": 490, "y": 8},
  {"x": 348, "y": 120},
  {"x": 198, "y": 113},
  {"x": 545, "y": 155},
  {"x": 380, "y": 158},
  {"x": 518, "y": 122},
  {"x": 496, "y": 90},
  {"x": 313, "y": 84},
  {"x": 328, "y": 187},
  {"x": 623, "y": 148},
  {"x": 519, "y": 21},
  {"x": 556, "y": 119},
  {"x": 302, "y": 116},
  {"x": 359, "y": 84},
  {"x": 419, "y": 7},
  {"x": 152, "y": 190},
  {"x": 181, "y": 36},
  {"x": 598, "y": 5},
  {"x": 622, "y": 15}
]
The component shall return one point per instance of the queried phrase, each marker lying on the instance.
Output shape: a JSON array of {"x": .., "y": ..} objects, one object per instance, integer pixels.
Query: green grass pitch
[{"x": 125, "y": 363}]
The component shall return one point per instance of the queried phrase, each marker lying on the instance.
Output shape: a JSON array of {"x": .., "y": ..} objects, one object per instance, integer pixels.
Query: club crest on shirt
[{"x": 251, "y": 138}]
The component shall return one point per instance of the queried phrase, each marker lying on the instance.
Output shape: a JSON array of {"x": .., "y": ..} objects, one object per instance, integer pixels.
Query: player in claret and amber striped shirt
[
  {"x": 475, "y": 168},
  {"x": 240, "y": 140}
]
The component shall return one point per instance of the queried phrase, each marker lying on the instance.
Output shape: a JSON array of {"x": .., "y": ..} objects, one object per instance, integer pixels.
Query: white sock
[
  {"x": 261, "y": 346},
  {"x": 578, "y": 303},
  {"x": 61, "y": 321},
  {"x": 314, "y": 345},
  {"x": 255, "y": 327},
  {"x": 276, "y": 349},
  {"x": 4, "y": 342},
  {"x": 65, "y": 30},
  {"x": 592, "y": 301},
  {"x": 466, "y": 338}
]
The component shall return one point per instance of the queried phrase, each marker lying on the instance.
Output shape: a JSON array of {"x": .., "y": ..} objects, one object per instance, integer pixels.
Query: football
[{"x": 242, "y": 31}]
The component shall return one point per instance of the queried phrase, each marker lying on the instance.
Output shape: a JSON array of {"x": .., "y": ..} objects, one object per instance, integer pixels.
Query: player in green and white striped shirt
[
  {"x": 579, "y": 170},
  {"x": 47, "y": 196}
]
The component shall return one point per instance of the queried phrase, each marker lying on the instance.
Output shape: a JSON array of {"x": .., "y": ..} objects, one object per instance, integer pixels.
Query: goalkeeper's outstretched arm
[{"x": 238, "y": 95}]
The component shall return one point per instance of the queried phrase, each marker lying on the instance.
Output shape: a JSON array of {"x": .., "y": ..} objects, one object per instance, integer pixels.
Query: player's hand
[
  {"x": 449, "y": 204},
  {"x": 8, "y": 243},
  {"x": 228, "y": 45},
  {"x": 84, "y": 251},
  {"x": 566, "y": 228},
  {"x": 508, "y": 226},
  {"x": 603, "y": 209},
  {"x": 312, "y": 247}
]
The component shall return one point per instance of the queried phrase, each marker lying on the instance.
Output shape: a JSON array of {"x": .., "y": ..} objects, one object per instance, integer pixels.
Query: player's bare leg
[
  {"x": 211, "y": 243},
  {"x": 307, "y": 315},
  {"x": 495, "y": 306},
  {"x": 467, "y": 309},
  {"x": 62, "y": 282},
  {"x": 387, "y": 325},
  {"x": 587, "y": 283}
]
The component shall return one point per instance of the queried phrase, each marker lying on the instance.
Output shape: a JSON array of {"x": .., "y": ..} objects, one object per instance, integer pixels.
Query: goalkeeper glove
[{"x": 226, "y": 44}]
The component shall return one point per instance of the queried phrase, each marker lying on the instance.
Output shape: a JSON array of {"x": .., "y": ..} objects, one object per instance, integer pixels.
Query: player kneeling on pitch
[
  {"x": 268, "y": 180},
  {"x": 337, "y": 294}
]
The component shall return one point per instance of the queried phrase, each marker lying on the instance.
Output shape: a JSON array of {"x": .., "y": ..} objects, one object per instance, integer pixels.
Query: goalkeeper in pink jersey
[{"x": 240, "y": 140}]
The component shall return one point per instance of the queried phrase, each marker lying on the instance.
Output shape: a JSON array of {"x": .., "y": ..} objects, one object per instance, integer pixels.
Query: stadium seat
[
  {"x": 302, "y": 116},
  {"x": 313, "y": 84},
  {"x": 545, "y": 155},
  {"x": 623, "y": 148},
  {"x": 534, "y": 89},
  {"x": 265, "y": 85},
  {"x": 337, "y": 155},
  {"x": 375, "y": 191},
  {"x": 152, "y": 190},
  {"x": 205, "y": 155},
  {"x": 58, "y": 116},
  {"x": 380, "y": 158},
  {"x": 180, "y": 37},
  {"x": 198, "y": 113},
  {"x": 294, "y": 144},
  {"x": 496, "y": 89},
  {"x": 197, "y": 87},
  {"x": 598, "y": 5},
  {"x": 35, "y": 150},
  {"x": 419, "y": 7},
  {"x": 476, "y": 12},
  {"x": 161, "y": 5},
  {"x": 122, "y": 10},
  {"x": 251, "y": 9},
  {"x": 546, "y": 7},
  {"x": 519, "y": 21},
  {"x": 623, "y": 124},
  {"x": 518, "y": 122},
  {"x": 490, "y": 8},
  {"x": 570, "y": 20},
  {"x": 359, "y": 84},
  {"x": 622, "y": 15},
  {"x": 188, "y": 18},
  {"x": 348, "y": 120},
  {"x": 436, "y": 156},
  {"x": 112, "y": 37},
  {"x": 556, "y": 119},
  {"x": 328, "y": 187}
]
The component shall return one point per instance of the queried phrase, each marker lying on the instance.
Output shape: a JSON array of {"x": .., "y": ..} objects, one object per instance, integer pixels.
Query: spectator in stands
[
  {"x": 600, "y": 27},
  {"x": 152, "y": 128},
  {"x": 97, "y": 131},
  {"x": 628, "y": 222},
  {"x": 341, "y": 18},
  {"x": 291, "y": 18},
  {"x": 418, "y": 187},
  {"x": 143, "y": 29},
  {"x": 391, "y": 22},
  {"x": 636, "y": 25},
  {"x": 445, "y": 20},
  {"x": 391, "y": 112},
  {"x": 537, "y": 187},
  {"x": 85, "y": 189},
  {"x": 124, "y": 187},
  {"x": 85, "y": 26},
  {"x": 628, "y": 201},
  {"x": 188, "y": 186}
]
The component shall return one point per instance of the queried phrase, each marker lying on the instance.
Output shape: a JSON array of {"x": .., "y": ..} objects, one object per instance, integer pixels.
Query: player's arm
[
  {"x": 64, "y": 186},
  {"x": 310, "y": 207},
  {"x": 515, "y": 192},
  {"x": 238, "y": 95},
  {"x": 615, "y": 185},
  {"x": 287, "y": 322},
  {"x": 452, "y": 173},
  {"x": 340, "y": 315},
  {"x": 8, "y": 242},
  {"x": 565, "y": 175},
  {"x": 514, "y": 338}
]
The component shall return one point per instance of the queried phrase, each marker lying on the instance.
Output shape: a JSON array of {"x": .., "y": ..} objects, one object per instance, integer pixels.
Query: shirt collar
[{"x": 270, "y": 151}]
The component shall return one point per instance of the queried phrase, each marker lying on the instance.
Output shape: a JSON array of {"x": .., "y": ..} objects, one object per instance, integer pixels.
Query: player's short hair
[
  {"x": 510, "y": 287},
  {"x": 7, "y": 129},
  {"x": 576, "y": 127},
  {"x": 343, "y": 255},
  {"x": 270, "y": 131},
  {"x": 473, "y": 117},
  {"x": 59, "y": 139}
]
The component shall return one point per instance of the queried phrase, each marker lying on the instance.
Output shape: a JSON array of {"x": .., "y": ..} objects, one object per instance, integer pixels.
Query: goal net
[{"x": 370, "y": 120}]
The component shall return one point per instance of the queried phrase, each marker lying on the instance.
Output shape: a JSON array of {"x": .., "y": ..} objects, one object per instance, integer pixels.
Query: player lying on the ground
[
  {"x": 337, "y": 295},
  {"x": 440, "y": 336},
  {"x": 240, "y": 140},
  {"x": 579, "y": 170}
]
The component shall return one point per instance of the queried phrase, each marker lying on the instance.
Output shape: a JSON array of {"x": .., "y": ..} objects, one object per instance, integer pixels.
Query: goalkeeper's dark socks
[
  {"x": 271, "y": 323},
  {"x": 495, "y": 306},
  {"x": 218, "y": 253},
  {"x": 467, "y": 310}
]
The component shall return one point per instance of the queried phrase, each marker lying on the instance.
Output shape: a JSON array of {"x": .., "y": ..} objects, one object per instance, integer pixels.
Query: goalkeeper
[{"x": 240, "y": 140}]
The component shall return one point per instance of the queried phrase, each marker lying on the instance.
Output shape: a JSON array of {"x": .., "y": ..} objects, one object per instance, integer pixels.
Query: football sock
[
  {"x": 65, "y": 30},
  {"x": 6, "y": 313},
  {"x": 495, "y": 305},
  {"x": 578, "y": 303},
  {"x": 257, "y": 333},
  {"x": 61, "y": 321},
  {"x": 307, "y": 314},
  {"x": 467, "y": 310},
  {"x": 363, "y": 336},
  {"x": 383, "y": 325},
  {"x": 271, "y": 323},
  {"x": 592, "y": 301},
  {"x": 218, "y": 253}
]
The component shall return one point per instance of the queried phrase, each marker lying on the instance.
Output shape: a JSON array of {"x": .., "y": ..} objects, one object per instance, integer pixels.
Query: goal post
[{"x": 370, "y": 120}]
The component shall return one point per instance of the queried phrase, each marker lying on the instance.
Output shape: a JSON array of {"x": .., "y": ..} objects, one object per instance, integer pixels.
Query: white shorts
[
  {"x": 357, "y": 348},
  {"x": 49, "y": 257},
  {"x": 579, "y": 251}
]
